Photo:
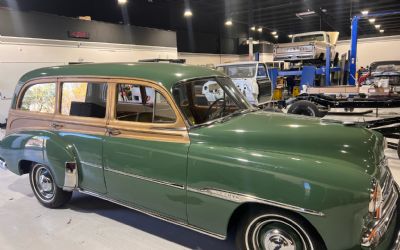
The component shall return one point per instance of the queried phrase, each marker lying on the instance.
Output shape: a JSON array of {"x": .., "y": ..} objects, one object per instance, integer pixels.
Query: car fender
[{"x": 42, "y": 147}]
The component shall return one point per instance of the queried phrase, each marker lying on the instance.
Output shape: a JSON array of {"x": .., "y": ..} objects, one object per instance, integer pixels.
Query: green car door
[
  {"x": 80, "y": 121},
  {"x": 145, "y": 152}
]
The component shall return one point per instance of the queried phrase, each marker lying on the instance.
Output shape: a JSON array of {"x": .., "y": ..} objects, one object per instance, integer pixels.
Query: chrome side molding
[
  {"x": 155, "y": 215},
  {"x": 242, "y": 198},
  {"x": 165, "y": 183}
]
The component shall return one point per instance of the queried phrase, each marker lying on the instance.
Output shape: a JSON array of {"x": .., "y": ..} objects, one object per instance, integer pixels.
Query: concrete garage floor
[{"x": 91, "y": 223}]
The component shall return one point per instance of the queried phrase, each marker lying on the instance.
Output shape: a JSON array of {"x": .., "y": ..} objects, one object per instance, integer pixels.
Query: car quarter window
[
  {"x": 84, "y": 99},
  {"x": 138, "y": 103},
  {"x": 39, "y": 97}
]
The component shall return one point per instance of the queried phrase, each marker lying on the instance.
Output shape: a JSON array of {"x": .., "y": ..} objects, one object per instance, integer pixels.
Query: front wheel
[
  {"x": 268, "y": 230},
  {"x": 45, "y": 188}
]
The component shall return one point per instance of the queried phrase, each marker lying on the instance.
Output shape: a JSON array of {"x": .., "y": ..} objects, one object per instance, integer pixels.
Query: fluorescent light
[
  {"x": 371, "y": 20},
  {"x": 305, "y": 14},
  {"x": 122, "y": 2},
  {"x": 364, "y": 12},
  {"x": 377, "y": 26},
  {"x": 381, "y": 31},
  {"x": 253, "y": 28},
  {"x": 228, "y": 22},
  {"x": 274, "y": 33},
  {"x": 188, "y": 13},
  {"x": 276, "y": 36},
  {"x": 259, "y": 29},
  {"x": 290, "y": 36}
]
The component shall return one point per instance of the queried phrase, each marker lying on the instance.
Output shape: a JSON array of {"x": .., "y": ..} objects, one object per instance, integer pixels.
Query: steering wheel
[{"x": 211, "y": 115}]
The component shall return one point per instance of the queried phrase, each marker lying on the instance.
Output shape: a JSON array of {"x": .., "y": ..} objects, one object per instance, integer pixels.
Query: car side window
[
  {"x": 39, "y": 97},
  {"x": 261, "y": 72},
  {"x": 84, "y": 99},
  {"x": 137, "y": 103}
]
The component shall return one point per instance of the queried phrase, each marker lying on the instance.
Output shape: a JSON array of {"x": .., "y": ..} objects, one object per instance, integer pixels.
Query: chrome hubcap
[
  {"x": 278, "y": 240},
  {"x": 44, "y": 183}
]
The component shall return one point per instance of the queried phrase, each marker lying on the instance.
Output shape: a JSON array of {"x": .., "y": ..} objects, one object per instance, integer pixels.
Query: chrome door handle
[
  {"x": 56, "y": 125},
  {"x": 113, "y": 131}
]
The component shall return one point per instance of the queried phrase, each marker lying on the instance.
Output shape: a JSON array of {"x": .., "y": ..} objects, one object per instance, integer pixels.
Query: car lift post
[
  {"x": 328, "y": 66},
  {"x": 354, "y": 40}
]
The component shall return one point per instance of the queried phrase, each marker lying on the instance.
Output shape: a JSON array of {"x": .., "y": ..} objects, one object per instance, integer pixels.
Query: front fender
[
  {"x": 42, "y": 147},
  {"x": 292, "y": 181}
]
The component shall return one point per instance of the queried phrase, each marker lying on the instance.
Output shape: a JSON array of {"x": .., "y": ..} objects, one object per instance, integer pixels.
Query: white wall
[
  {"x": 204, "y": 59},
  {"x": 373, "y": 49},
  {"x": 210, "y": 59},
  {"x": 20, "y": 55}
]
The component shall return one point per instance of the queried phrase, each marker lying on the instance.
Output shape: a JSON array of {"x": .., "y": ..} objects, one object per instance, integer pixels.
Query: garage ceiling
[{"x": 209, "y": 16}]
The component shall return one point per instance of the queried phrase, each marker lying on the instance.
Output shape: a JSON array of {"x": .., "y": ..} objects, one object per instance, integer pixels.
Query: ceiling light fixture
[
  {"x": 259, "y": 29},
  {"x": 274, "y": 33},
  {"x": 377, "y": 26},
  {"x": 122, "y": 2},
  {"x": 364, "y": 12},
  {"x": 307, "y": 13},
  {"x": 381, "y": 31},
  {"x": 228, "y": 22},
  {"x": 371, "y": 20},
  {"x": 253, "y": 28},
  {"x": 276, "y": 36},
  {"x": 188, "y": 13}
]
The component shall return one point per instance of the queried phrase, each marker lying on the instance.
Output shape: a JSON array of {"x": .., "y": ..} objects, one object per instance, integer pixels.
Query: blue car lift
[
  {"x": 354, "y": 40},
  {"x": 307, "y": 73}
]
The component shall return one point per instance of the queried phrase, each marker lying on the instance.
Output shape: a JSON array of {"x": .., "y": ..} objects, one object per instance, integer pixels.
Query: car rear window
[{"x": 39, "y": 97}]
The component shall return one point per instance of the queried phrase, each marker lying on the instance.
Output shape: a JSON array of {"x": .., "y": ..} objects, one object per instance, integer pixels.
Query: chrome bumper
[
  {"x": 376, "y": 230},
  {"x": 396, "y": 245},
  {"x": 294, "y": 57}
]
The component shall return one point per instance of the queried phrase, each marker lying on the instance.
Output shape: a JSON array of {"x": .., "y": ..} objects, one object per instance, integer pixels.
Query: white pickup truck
[
  {"x": 307, "y": 47},
  {"x": 251, "y": 78}
]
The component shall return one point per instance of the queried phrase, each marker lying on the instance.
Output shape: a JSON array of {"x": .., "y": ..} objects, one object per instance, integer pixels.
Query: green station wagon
[{"x": 181, "y": 143}]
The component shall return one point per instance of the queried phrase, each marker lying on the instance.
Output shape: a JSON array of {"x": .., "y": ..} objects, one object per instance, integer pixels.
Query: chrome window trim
[
  {"x": 242, "y": 198},
  {"x": 165, "y": 183},
  {"x": 155, "y": 215}
]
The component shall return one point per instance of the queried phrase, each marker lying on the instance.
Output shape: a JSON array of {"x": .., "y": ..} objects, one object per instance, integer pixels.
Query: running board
[{"x": 155, "y": 215}]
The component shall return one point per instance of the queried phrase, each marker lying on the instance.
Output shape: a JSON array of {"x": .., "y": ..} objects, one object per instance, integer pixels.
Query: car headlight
[{"x": 376, "y": 200}]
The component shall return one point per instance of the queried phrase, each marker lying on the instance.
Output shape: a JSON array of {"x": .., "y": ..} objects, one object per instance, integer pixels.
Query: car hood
[{"x": 297, "y": 136}]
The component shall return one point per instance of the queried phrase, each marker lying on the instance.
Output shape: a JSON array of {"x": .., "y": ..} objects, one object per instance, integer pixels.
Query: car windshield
[
  {"x": 387, "y": 68},
  {"x": 208, "y": 99},
  {"x": 239, "y": 70},
  {"x": 309, "y": 38}
]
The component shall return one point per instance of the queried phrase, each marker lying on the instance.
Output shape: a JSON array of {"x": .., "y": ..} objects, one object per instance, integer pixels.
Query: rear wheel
[
  {"x": 45, "y": 189},
  {"x": 306, "y": 108},
  {"x": 272, "y": 230}
]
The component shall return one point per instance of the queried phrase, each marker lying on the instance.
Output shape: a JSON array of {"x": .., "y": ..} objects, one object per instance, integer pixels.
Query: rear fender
[{"x": 42, "y": 147}]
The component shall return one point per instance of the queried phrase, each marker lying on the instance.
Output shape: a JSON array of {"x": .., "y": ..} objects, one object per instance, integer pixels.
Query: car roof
[
  {"x": 310, "y": 33},
  {"x": 238, "y": 63},
  {"x": 166, "y": 74}
]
